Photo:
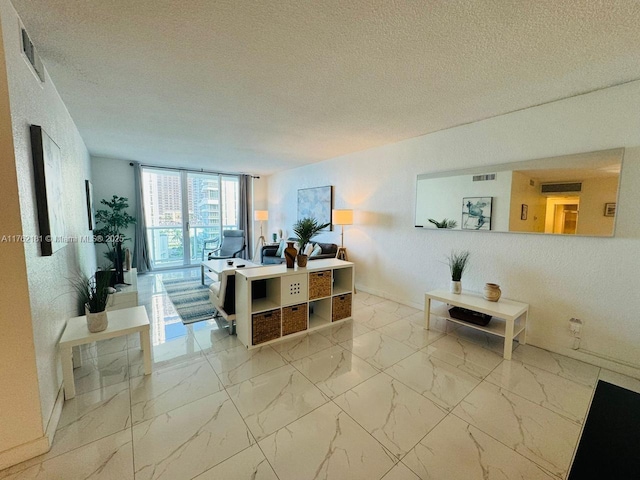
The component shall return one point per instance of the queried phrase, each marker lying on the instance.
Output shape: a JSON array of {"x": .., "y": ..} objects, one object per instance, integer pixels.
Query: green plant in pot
[
  {"x": 93, "y": 293},
  {"x": 305, "y": 229},
  {"x": 458, "y": 263},
  {"x": 446, "y": 223},
  {"x": 115, "y": 220}
]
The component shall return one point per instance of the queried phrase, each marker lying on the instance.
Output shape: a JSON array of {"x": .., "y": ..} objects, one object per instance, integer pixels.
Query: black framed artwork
[{"x": 47, "y": 167}]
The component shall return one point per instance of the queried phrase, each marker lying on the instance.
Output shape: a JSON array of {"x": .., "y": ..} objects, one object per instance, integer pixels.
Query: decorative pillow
[
  {"x": 281, "y": 247},
  {"x": 308, "y": 249},
  {"x": 317, "y": 250}
]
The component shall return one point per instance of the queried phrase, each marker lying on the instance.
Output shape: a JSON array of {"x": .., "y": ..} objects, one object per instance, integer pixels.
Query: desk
[
  {"x": 511, "y": 316},
  {"x": 215, "y": 267},
  {"x": 121, "y": 322}
]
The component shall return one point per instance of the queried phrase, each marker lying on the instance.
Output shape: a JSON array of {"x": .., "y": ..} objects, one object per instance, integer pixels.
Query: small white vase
[
  {"x": 455, "y": 287},
  {"x": 96, "y": 322}
]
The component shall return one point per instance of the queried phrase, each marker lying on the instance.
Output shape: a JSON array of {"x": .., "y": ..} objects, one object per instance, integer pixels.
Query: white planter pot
[
  {"x": 97, "y": 322},
  {"x": 455, "y": 287}
]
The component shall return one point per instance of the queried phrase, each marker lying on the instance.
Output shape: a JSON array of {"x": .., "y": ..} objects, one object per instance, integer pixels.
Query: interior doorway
[{"x": 562, "y": 215}]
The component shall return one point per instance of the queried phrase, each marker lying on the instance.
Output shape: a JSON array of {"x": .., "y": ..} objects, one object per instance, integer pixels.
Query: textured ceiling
[{"x": 260, "y": 86}]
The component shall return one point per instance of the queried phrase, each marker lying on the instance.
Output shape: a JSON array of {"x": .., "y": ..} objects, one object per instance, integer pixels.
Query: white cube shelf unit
[{"x": 276, "y": 302}]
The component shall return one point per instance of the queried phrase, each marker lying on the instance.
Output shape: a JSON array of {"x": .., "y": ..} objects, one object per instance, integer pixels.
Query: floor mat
[
  {"x": 608, "y": 447},
  {"x": 190, "y": 299}
]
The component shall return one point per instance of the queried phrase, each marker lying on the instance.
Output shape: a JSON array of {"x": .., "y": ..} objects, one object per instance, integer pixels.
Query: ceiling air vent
[
  {"x": 561, "y": 187},
  {"x": 484, "y": 178},
  {"x": 30, "y": 52}
]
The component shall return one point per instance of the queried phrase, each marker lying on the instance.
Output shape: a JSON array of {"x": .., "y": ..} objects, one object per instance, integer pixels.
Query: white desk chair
[{"x": 223, "y": 296}]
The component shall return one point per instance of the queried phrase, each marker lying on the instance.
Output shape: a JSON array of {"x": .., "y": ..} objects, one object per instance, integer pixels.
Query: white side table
[
  {"x": 510, "y": 317},
  {"x": 121, "y": 322}
]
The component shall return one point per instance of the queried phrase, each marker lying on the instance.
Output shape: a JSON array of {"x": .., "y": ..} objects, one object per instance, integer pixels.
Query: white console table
[
  {"x": 275, "y": 302},
  {"x": 509, "y": 317}
]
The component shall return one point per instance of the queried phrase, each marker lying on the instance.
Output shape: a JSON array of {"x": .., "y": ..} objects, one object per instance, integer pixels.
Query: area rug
[
  {"x": 608, "y": 447},
  {"x": 190, "y": 299}
]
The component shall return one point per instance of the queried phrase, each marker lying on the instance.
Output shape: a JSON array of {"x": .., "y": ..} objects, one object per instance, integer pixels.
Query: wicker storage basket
[
  {"x": 319, "y": 284},
  {"x": 294, "y": 319},
  {"x": 266, "y": 326},
  {"x": 341, "y": 307}
]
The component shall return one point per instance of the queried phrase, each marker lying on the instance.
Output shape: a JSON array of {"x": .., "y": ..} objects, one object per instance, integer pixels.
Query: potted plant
[
  {"x": 93, "y": 293},
  {"x": 446, "y": 223},
  {"x": 305, "y": 229},
  {"x": 115, "y": 220},
  {"x": 458, "y": 262}
]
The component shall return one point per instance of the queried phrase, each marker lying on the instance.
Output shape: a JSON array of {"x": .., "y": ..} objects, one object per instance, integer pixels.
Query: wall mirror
[{"x": 568, "y": 195}]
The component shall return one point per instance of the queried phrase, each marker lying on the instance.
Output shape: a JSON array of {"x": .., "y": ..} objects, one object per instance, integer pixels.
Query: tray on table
[{"x": 470, "y": 316}]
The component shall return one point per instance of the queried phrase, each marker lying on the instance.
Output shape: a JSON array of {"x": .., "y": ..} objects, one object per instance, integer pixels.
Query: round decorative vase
[
  {"x": 290, "y": 255},
  {"x": 455, "y": 287},
  {"x": 97, "y": 322},
  {"x": 302, "y": 260},
  {"x": 492, "y": 292},
  {"x": 275, "y": 237}
]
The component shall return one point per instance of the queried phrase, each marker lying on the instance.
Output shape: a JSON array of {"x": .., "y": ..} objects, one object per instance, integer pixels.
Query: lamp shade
[
  {"x": 261, "y": 215},
  {"x": 342, "y": 217}
]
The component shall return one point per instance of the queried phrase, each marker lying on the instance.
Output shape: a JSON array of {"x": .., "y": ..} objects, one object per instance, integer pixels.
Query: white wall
[
  {"x": 50, "y": 294},
  {"x": 594, "y": 279}
]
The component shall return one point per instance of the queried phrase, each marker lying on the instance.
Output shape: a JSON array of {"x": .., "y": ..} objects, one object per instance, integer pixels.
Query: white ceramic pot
[
  {"x": 455, "y": 287},
  {"x": 96, "y": 322}
]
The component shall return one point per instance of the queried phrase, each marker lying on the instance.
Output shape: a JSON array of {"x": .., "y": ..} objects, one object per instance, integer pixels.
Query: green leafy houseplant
[
  {"x": 93, "y": 292},
  {"x": 458, "y": 262},
  {"x": 307, "y": 228},
  {"x": 115, "y": 220},
  {"x": 446, "y": 223}
]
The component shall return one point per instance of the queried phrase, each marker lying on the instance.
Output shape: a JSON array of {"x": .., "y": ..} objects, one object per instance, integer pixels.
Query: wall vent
[
  {"x": 32, "y": 55},
  {"x": 561, "y": 187},
  {"x": 484, "y": 178}
]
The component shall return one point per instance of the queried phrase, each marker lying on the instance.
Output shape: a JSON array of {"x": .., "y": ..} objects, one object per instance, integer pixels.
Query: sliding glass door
[{"x": 186, "y": 213}]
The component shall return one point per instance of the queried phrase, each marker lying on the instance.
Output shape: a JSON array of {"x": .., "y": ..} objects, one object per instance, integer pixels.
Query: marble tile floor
[{"x": 377, "y": 397}]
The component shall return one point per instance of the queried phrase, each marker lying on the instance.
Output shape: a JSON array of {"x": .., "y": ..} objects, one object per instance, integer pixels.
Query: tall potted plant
[
  {"x": 115, "y": 220},
  {"x": 458, "y": 263},
  {"x": 305, "y": 229},
  {"x": 93, "y": 293}
]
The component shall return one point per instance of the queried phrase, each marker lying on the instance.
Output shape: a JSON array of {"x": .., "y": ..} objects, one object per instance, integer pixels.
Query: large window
[{"x": 186, "y": 212}]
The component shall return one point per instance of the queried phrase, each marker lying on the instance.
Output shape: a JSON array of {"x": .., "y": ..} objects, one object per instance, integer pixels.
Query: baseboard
[
  {"x": 587, "y": 357},
  {"x": 23, "y": 452},
  {"x": 383, "y": 294},
  {"x": 54, "y": 419},
  {"x": 36, "y": 447}
]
